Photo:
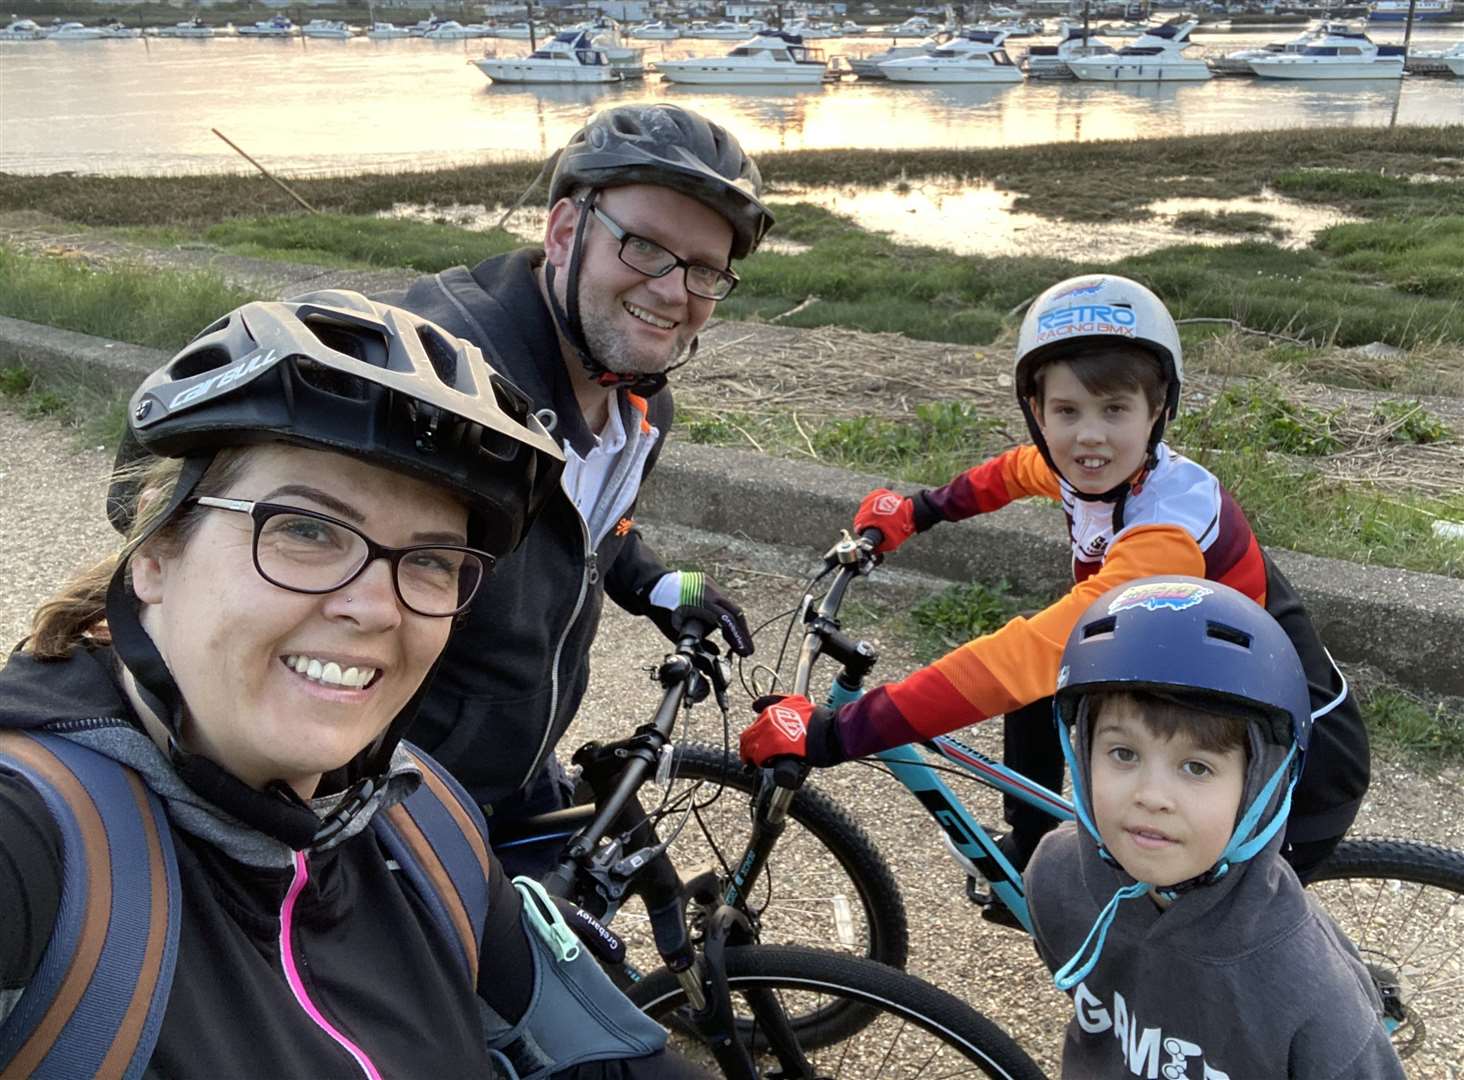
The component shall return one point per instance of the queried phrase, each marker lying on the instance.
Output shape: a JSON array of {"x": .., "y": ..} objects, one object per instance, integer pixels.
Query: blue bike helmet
[{"x": 1201, "y": 643}]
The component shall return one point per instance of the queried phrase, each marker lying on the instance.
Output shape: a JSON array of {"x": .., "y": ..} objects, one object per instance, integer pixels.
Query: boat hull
[
  {"x": 698, "y": 73},
  {"x": 897, "y": 71},
  {"x": 1101, "y": 71},
  {"x": 510, "y": 71},
  {"x": 1349, "y": 70}
]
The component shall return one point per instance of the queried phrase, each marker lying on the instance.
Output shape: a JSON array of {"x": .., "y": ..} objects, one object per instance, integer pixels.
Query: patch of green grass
[
  {"x": 360, "y": 241},
  {"x": 1428, "y": 733},
  {"x": 1412, "y": 423},
  {"x": 97, "y": 419},
  {"x": 143, "y": 305},
  {"x": 1258, "y": 415},
  {"x": 1421, "y": 257},
  {"x": 940, "y": 440},
  {"x": 1242, "y": 222},
  {"x": 961, "y": 613}
]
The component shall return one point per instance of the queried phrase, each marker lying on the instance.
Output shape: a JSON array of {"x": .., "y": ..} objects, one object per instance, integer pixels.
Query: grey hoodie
[{"x": 1243, "y": 979}]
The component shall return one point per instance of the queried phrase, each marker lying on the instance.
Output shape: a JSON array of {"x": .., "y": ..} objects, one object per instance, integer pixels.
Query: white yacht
[
  {"x": 973, "y": 56},
  {"x": 810, "y": 30},
  {"x": 848, "y": 28},
  {"x": 1396, "y": 11},
  {"x": 385, "y": 31},
  {"x": 449, "y": 30},
  {"x": 1051, "y": 61},
  {"x": 1338, "y": 53},
  {"x": 329, "y": 29},
  {"x": 916, "y": 26},
  {"x": 196, "y": 28},
  {"x": 75, "y": 31},
  {"x": 656, "y": 31},
  {"x": 607, "y": 36},
  {"x": 1158, "y": 56},
  {"x": 772, "y": 58},
  {"x": 1016, "y": 28},
  {"x": 1453, "y": 59},
  {"x": 867, "y": 65},
  {"x": 1238, "y": 62},
  {"x": 113, "y": 28},
  {"x": 521, "y": 31},
  {"x": 277, "y": 27},
  {"x": 22, "y": 30},
  {"x": 731, "y": 31},
  {"x": 568, "y": 57}
]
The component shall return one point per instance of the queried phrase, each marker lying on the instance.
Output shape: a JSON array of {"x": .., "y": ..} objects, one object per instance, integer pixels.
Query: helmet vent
[
  {"x": 442, "y": 356},
  {"x": 329, "y": 381},
  {"x": 198, "y": 361},
  {"x": 1100, "y": 628},
  {"x": 1228, "y": 634}
]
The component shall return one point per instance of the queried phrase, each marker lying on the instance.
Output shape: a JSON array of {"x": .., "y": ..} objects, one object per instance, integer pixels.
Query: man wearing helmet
[
  {"x": 648, "y": 207},
  {"x": 1166, "y": 911},
  {"x": 1098, "y": 373}
]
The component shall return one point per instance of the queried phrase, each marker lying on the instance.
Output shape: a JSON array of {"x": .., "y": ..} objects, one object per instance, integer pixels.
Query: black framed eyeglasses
[
  {"x": 652, "y": 260},
  {"x": 308, "y": 552}
]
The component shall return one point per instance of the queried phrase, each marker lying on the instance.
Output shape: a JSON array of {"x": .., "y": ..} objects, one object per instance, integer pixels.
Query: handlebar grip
[
  {"x": 873, "y": 535},
  {"x": 789, "y": 772},
  {"x": 693, "y": 631}
]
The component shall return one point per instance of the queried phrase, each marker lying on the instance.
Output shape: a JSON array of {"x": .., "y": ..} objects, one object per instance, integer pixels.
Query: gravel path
[{"x": 51, "y": 522}]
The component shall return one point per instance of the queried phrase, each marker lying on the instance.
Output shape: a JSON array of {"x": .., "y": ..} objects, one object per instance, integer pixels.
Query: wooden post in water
[
  {"x": 529, "y": 10},
  {"x": 1408, "y": 31}
]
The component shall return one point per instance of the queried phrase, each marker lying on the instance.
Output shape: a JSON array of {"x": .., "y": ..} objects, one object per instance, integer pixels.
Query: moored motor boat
[
  {"x": 773, "y": 58},
  {"x": 656, "y": 31},
  {"x": 75, "y": 31},
  {"x": 1337, "y": 53},
  {"x": 867, "y": 65},
  {"x": 385, "y": 31},
  {"x": 328, "y": 29},
  {"x": 22, "y": 30},
  {"x": 1158, "y": 56},
  {"x": 277, "y": 27},
  {"x": 1051, "y": 61},
  {"x": 568, "y": 57},
  {"x": 972, "y": 56}
]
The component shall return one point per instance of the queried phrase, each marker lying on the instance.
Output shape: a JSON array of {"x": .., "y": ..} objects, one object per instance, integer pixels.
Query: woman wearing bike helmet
[
  {"x": 1098, "y": 373},
  {"x": 649, "y": 207},
  {"x": 312, "y": 492},
  {"x": 1187, "y": 943}
]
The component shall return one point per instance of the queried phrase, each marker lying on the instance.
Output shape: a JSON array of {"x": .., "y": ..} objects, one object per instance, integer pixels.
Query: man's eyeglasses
[
  {"x": 651, "y": 259},
  {"x": 307, "y": 552}
]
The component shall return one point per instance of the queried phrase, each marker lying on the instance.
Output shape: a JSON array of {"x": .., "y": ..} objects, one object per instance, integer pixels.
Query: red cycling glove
[
  {"x": 893, "y": 515},
  {"x": 780, "y": 730}
]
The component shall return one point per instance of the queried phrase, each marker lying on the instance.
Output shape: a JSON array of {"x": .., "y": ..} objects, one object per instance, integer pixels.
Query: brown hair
[
  {"x": 1114, "y": 368},
  {"x": 77, "y": 613},
  {"x": 1164, "y": 717}
]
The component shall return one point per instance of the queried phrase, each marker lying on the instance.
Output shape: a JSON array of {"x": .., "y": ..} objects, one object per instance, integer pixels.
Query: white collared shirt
[{"x": 584, "y": 477}]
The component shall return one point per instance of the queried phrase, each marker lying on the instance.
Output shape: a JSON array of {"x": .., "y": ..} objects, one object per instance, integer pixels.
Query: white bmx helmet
[{"x": 1091, "y": 311}]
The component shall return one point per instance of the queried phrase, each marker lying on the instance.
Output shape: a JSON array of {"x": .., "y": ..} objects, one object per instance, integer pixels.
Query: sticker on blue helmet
[{"x": 1160, "y": 595}]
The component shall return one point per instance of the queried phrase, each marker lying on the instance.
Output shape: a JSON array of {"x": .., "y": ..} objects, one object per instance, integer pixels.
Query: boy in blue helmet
[{"x": 1187, "y": 943}]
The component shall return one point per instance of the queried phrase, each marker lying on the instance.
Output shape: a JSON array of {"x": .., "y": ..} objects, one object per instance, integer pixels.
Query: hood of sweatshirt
[{"x": 80, "y": 698}]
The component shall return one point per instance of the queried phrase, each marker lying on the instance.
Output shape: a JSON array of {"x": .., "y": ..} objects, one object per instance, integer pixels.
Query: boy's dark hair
[
  {"x": 1113, "y": 368},
  {"x": 1213, "y": 727}
]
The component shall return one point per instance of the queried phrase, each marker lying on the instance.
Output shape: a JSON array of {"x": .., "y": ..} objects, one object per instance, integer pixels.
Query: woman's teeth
[
  {"x": 330, "y": 673},
  {"x": 645, "y": 316}
]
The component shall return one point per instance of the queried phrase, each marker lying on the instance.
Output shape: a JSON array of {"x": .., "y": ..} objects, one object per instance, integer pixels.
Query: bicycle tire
[
  {"x": 1401, "y": 902},
  {"x": 944, "y": 1031}
]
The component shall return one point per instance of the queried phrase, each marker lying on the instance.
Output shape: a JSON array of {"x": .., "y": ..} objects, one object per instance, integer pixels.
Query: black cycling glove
[{"x": 688, "y": 594}]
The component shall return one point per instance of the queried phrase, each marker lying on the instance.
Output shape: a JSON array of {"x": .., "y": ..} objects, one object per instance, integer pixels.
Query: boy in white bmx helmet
[
  {"x": 1165, "y": 910},
  {"x": 1098, "y": 373}
]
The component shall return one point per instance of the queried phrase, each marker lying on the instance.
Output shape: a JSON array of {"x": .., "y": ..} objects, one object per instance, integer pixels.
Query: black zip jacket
[
  {"x": 513, "y": 677},
  {"x": 365, "y": 948}
]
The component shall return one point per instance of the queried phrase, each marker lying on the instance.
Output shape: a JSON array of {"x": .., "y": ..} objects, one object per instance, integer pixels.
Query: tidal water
[{"x": 310, "y": 107}]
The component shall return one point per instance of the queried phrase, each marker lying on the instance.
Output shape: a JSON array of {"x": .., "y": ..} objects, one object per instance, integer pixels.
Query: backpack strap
[
  {"x": 438, "y": 837},
  {"x": 96, "y": 1002}
]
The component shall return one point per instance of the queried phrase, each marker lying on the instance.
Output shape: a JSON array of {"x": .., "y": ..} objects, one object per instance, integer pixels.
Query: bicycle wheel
[
  {"x": 917, "y": 1030},
  {"x": 826, "y": 885},
  {"x": 1402, "y": 904}
]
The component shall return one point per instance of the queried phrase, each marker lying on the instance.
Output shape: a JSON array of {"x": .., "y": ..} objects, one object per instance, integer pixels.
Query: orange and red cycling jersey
[{"x": 1176, "y": 520}]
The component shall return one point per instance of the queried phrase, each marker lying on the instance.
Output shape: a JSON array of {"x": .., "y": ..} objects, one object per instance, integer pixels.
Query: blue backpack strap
[
  {"x": 97, "y": 999},
  {"x": 440, "y": 840}
]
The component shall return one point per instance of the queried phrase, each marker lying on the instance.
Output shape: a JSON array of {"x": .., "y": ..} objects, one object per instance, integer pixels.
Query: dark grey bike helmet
[
  {"x": 336, "y": 371},
  {"x": 671, "y": 147},
  {"x": 331, "y": 371}
]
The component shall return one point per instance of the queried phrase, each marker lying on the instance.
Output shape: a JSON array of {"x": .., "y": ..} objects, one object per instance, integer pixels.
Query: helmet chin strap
[
  {"x": 571, "y": 327},
  {"x": 1119, "y": 493}
]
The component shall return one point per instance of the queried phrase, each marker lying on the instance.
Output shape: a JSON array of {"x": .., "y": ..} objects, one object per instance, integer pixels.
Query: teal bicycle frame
[{"x": 966, "y": 839}]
